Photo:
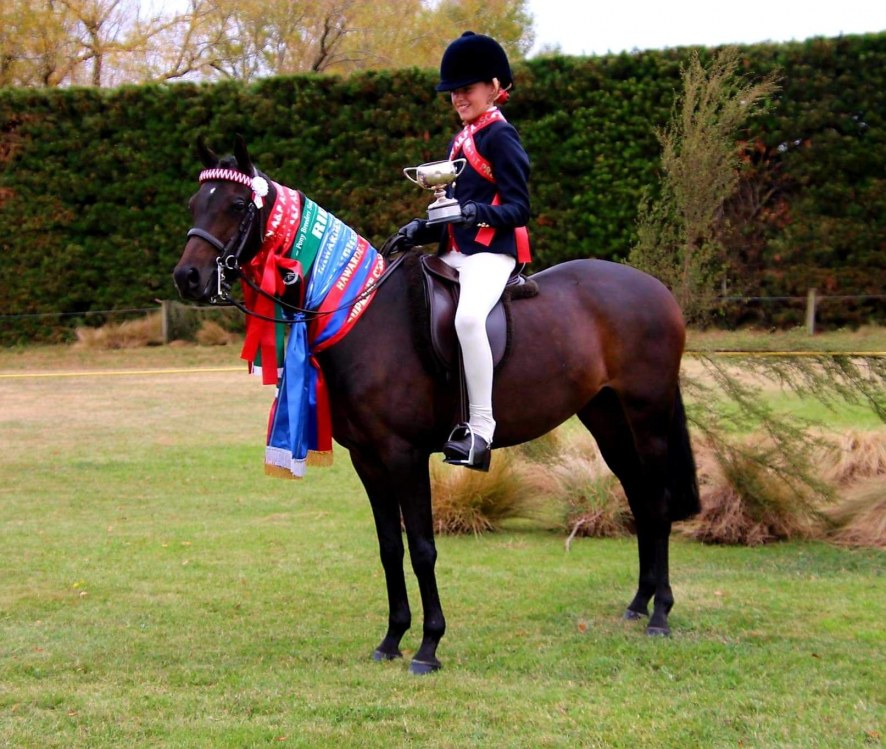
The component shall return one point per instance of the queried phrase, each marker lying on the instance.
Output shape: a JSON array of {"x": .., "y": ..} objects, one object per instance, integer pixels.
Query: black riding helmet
[{"x": 472, "y": 58}]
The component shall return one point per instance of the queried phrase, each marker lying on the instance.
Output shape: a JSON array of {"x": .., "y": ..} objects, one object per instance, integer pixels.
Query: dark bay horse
[{"x": 601, "y": 340}]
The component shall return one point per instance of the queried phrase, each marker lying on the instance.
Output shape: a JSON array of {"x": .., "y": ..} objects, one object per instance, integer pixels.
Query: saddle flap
[{"x": 441, "y": 292}]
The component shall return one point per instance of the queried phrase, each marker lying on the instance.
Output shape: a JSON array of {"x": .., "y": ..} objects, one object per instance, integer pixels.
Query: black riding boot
[{"x": 464, "y": 448}]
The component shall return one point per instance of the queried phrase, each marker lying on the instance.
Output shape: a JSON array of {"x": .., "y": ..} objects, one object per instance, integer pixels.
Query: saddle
[{"x": 441, "y": 292}]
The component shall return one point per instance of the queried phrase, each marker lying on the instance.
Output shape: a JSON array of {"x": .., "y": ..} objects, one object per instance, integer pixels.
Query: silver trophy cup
[{"x": 435, "y": 176}]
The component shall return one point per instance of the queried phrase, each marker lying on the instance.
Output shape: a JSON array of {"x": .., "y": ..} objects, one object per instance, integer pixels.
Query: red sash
[{"x": 464, "y": 142}]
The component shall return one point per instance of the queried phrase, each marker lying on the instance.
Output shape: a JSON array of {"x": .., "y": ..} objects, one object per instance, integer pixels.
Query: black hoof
[
  {"x": 658, "y": 631},
  {"x": 421, "y": 668},
  {"x": 633, "y": 616},
  {"x": 378, "y": 655}
]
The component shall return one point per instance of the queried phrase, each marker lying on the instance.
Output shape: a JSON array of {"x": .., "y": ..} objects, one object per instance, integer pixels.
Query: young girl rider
[{"x": 491, "y": 237}]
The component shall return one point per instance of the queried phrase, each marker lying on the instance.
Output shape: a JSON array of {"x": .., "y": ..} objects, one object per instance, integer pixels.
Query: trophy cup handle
[
  {"x": 414, "y": 170},
  {"x": 460, "y": 165}
]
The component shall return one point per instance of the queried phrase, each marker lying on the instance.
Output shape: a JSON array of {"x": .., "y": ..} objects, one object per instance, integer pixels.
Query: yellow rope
[
  {"x": 118, "y": 372},
  {"x": 210, "y": 370},
  {"x": 785, "y": 353}
]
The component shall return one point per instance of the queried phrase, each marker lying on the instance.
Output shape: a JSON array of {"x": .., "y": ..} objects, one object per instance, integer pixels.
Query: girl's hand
[{"x": 469, "y": 213}]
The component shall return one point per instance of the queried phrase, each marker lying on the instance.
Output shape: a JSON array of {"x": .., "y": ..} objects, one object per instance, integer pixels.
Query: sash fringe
[{"x": 320, "y": 458}]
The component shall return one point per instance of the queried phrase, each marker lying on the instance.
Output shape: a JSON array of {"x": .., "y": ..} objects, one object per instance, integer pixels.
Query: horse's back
[
  {"x": 612, "y": 302},
  {"x": 609, "y": 285}
]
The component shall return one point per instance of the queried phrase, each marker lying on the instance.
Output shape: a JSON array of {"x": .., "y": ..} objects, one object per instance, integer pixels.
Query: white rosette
[{"x": 259, "y": 191}]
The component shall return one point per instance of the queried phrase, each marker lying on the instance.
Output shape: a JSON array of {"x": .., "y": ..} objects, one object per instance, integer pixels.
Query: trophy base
[{"x": 445, "y": 214}]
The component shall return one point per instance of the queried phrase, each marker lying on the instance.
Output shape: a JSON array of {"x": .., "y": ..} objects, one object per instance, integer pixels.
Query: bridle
[{"x": 230, "y": 253}]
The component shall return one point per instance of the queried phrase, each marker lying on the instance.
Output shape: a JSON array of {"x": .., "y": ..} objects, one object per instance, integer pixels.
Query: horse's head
[{"x": 226, "y": 227}]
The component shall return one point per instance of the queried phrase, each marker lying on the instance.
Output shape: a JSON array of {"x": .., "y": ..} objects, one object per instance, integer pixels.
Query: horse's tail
[{"x": 682, "y": 479}]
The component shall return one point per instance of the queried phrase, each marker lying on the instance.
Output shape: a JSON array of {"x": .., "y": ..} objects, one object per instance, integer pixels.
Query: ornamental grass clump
[
  {"x": 467, "y": 501},
  {"x": 853, "y": 455},
  {"x": 545, "y": 449},
  {"x": 591, "y": 500},
  {"x": 145, "y": 331},
  {"x": 596, "y": 505},
  {"x": 748, "y": 499},
  {"x": 213, "y": 334},
  {"x": 855, "y": 462},
  {"x": 860, "y": 518}
]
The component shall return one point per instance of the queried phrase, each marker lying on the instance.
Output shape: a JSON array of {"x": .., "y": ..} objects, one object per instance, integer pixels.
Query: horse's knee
[
  {"x": 399, "y": 619},
  {"x": 423, "y": 554},
  {"x": 391, "y": 553}
]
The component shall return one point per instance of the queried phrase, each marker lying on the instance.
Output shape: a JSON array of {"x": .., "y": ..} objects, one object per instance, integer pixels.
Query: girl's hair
[{"x": 503, "y": 93}]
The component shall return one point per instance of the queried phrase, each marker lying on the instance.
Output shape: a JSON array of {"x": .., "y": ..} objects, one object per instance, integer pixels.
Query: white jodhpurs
[{"x": 482, "y": 278}]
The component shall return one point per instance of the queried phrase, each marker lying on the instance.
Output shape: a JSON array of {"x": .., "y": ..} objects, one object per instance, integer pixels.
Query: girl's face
[{"x": 472, "y": 101}]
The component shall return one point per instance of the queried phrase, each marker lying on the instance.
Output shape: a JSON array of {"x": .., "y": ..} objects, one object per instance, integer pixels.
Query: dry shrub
[
  {"x": 467, "y": 501},
  {"x": 860, "y": 519},
  {"x": 593, "y": 502},
  {"x": 555, "y": 482},
  {"x": 546, "y": 448},
  {"x": 213, "y": 334},
  {"x": 146, "y": 331},
  {"x": 746, "y": 501},
  {"x": 853, "y": 455}
]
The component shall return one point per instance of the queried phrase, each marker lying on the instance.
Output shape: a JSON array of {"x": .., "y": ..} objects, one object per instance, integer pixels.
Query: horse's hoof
[
  {"x": 421, "y": 668},
  {"x": 658, "y": 631},
  {"x": 632, "y": 616},
  {"x": 379, "y": 655}
]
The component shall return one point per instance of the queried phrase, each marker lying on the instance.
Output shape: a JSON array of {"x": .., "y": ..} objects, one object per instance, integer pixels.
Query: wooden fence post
[
  {"x": 164, "y": 316},
  {"x": 810, "y": 312}
]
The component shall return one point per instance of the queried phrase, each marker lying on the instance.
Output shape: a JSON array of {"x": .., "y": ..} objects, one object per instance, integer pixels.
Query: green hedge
[{"x": 95, "y": 183}]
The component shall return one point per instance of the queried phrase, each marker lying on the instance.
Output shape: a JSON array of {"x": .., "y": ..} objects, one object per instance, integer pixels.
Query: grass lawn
[{"x": 157, "y": 590}]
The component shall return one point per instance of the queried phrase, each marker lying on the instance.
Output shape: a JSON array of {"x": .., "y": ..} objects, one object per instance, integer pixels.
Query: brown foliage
[
  {"x": 853, "y": 455},
  {"x": 468, "y": 501},
  {"x": 745, "y": 501},
  {"x": 860, "y": 519},
  {"x": 213, "y": 334},
  {"x": 146, "y": 331}
]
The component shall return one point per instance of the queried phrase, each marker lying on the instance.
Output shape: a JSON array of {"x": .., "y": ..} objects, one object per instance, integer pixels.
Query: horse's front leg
[
  {"x": 399, "y": 481},
  {"x": 386, "y": 511},
  {"x": 414, "y": 490}
]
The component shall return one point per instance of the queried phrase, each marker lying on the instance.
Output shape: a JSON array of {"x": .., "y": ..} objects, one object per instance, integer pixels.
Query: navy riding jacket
[{"x": 500, "y": 145}]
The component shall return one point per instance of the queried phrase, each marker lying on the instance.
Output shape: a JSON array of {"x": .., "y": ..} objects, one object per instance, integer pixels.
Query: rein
[{"x": 307, "y": 315}]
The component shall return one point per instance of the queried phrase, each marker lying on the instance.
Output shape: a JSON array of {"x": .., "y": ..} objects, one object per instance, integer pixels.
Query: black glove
[
  {"x": 469, "y": 213},
  {"x": 411, "y": 230}
]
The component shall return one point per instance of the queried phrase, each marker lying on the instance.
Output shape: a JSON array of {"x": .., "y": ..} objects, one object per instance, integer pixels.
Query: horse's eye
[{"x": 238, "y": 206}]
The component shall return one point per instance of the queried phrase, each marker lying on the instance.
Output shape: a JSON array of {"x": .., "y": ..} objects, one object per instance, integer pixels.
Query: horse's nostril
[
  {"x": 193, "y": 279},
  {"x": 187, "y": 280}
]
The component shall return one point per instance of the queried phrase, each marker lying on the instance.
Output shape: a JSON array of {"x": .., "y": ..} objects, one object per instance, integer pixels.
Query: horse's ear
[
  {"x": 205, "y": 154},
  {"x": 244, "y": 163}
]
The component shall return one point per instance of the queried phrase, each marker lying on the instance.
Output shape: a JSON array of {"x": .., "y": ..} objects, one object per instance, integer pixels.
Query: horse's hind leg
[{"x": 634, "y": 445}]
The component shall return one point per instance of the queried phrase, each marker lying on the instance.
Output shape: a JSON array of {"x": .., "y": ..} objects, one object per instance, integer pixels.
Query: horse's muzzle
[{"x": 195, "y": 283}]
